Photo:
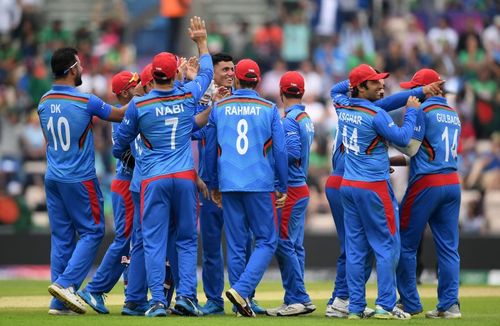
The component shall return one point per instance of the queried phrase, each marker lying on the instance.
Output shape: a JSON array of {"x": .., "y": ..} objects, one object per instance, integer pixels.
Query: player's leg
[
  {"x": 381, "y": 222},
  {"x": 171, "y": 265},
  {"x": 136, "y": 300},
  {"x": 357, "y": 249},
  {"x": 111, "y": 267},
  {"x": 334, "y": 198},
  {"x": 185, "y": 203},
  {"x": 84, "y": 202},
  {"x": 63, "y": 237},
  {"x": 416, "y": 208},
  {"x": 155, "y": 204},
  {"x": 211, "y": 224},
  {"x": 290, "y": 223},
  {"x": 444, "y": 226}
]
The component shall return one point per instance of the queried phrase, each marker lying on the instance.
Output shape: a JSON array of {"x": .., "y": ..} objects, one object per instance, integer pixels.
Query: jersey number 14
[{"x": 446, "y": 138}]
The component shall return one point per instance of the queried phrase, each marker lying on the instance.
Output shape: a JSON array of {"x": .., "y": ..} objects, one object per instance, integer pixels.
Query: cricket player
[
  {"x": 116, "y": 258},
  {"x": 245, "y": 146},
  {"x": 370, "y": 208},
  {"x": 338, "y": 305},
  {"x": 433, "y": 197},
  {"x": 74, "y": 199},
  {"x": 299, "y": 134},
  {"x": 164, "y": 118}
]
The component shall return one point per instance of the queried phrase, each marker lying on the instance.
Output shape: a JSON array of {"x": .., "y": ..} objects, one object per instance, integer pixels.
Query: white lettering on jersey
[
  {"x": 352, "y": 118},
  {"x": 166, "y": 110},
  {"x": 242, "y": 110},
  {"x": 447, "y": 118}
]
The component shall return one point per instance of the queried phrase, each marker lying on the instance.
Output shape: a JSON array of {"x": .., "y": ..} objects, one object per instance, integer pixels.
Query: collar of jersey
[
  {"x": 66, "y": 88},
  {"x": 295, "y": 107},
  {"x": 162, "y": 92},
  {"x": 361, "y": 101},
  {"x": 246, "y": 91},
  {"x": 435, "y": 100}
]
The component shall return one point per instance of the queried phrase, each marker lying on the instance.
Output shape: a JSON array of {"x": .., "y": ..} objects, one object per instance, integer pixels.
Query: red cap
[
  {"x": 421, "y": 78},
  {"x": 146, "y": 75},
  {"x": 123, "y": 81},
  {"x": 363, "y": 73},
  {"x": 164, "y": 65},
  {"x": 292, "y": 82},
  {"x": 246, "y": 67}
]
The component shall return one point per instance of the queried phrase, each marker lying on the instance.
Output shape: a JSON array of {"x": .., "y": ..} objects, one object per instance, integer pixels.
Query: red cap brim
[{"x": 408, "y": 84}]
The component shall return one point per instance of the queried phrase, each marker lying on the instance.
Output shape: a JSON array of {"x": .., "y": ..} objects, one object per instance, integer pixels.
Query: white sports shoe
[
  {"x": 62, "y": 312},
  {"x": 341, "y": 305},
  {"x": 68, "y": 296},
  {"x": 396, "y": 313},
  {"x": 274, "y": 311},
  {"x": 296, "y": 309},
  {"x": 330, "y": 312},
  {"x": 452, "y": 313}
]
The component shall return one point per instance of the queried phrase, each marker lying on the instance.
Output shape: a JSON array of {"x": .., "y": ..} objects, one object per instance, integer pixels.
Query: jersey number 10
[{"x": 62, "y": 123}]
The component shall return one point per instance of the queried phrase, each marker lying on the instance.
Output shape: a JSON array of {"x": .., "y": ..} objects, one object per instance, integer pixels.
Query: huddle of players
[{"x": 246, "y": 133}]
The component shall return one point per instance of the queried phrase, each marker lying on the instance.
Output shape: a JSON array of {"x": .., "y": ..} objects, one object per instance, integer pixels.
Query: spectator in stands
[
  {"x": 440, "y": 35},
  {"x": 474, "y": 223}
]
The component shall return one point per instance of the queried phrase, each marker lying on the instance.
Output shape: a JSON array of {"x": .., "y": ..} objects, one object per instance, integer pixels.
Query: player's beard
[{"x": 78, "y": 79}]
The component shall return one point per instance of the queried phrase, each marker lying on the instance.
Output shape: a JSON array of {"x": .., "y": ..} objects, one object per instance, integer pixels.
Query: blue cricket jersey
[
  {"x": 164, "y": 120},
  {"x": 340, "y": 100},
  {"x": 66, "y": 120},
  {"x": 438, "y": 152},
  {"x": 246, "y": 144},
  {"x": 366, "y": 128},
  {"x": 200, "y": 136},
  {"x": 299, "y": 135}
]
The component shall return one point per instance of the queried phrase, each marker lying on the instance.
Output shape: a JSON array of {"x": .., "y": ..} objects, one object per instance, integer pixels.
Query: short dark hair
[
  {"x": 61, "y": 60},
  {"x": 161, "y": 81},
  {"x": 355, "y": 90},
  {"x": 221, "y": 57},
  {"x": 295, "y": 95},
  {"x": 249, "y": 84}
]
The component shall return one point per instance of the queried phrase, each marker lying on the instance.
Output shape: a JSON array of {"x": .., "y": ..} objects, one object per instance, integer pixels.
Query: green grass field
[{"x": 25, "y": 303}]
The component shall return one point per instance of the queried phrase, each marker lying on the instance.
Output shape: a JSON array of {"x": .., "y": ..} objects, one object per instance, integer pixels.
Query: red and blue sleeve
[
  {"x": 292, "y": 139},
  {"x": 211, "y": 151}
]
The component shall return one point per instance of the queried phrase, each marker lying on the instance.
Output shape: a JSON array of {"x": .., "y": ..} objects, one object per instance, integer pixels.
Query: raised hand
[
  {"x": 197, "y": 30},
  {"x": 434, "y": 89},
  {"x": 221, "y": 93},
  {"x": 192, "y": 67}
]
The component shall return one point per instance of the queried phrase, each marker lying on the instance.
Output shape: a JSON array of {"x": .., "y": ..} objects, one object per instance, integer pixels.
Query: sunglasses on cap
[{"x": 134, "y": 79}]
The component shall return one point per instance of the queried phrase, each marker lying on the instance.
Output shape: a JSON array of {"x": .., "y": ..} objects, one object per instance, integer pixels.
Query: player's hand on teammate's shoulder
[
  {"x": 216, "y": 197},
  {"x": 433, "y": 89},
  {"x": 413, "y": 102},
  {"x": 222, "y": 92},
  {"x": 197, "y": 30},
  {"x": 281, "y": 199}
]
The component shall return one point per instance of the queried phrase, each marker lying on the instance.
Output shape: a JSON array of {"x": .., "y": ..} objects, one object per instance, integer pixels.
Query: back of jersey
[
  {"x": 438, "y": 152},
  {"x": 366, "y": 156},
  {"x": 244, "y": 136},
  {"x": 165, "y": 123},
  {"x": 67, "y": 123}
]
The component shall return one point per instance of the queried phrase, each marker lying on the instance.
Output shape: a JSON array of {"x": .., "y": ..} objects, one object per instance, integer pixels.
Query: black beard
[{"x": 78, "y": 80}]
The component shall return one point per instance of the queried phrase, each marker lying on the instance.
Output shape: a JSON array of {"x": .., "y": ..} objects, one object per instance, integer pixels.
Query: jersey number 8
[{"x": 242, "y": 139}]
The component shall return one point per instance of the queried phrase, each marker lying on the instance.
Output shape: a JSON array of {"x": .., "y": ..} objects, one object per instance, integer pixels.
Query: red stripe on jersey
[
  {"x": 428, "y": 149},
  {"x": 373, "y": 144},
  {"x": 427, "y": 181},
  {"x": 294, "y": 194},
  {"x": 382, "y": 190},
  {"x": 189, "y": 175},
  {"x": 121, "y": 187},
  {"x": 362, "y": 109},
  {"x": 267, "y": 146},
  {"x": 334, "y": 181},
  {"x": 301, "y": 116},
  {"x": 146, "y": 141},
  {"x": 58, "y": 96},
  {"x": 81, "y": 141},
  {"x": 94, "y": 201},
  {"x": 244, "y": 100},
  {"x": 163, "y": 99},
  {"x": 438, "y": 107}
]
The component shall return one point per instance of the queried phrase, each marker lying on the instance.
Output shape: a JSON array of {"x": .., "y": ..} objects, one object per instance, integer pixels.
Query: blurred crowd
[{"x": 324, "y": 39}]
